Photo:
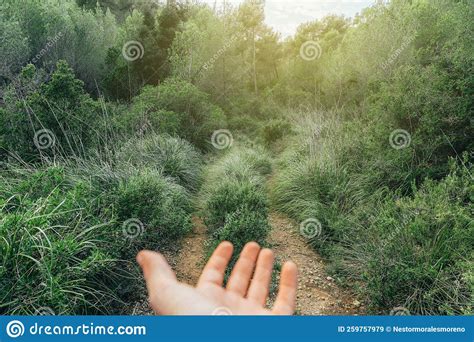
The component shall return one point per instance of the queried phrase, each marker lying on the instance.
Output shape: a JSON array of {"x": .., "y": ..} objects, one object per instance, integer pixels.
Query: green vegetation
[
  {"x": 108, "y": 111},
  {"x": 173, "y": 157},
  {"x": 74, "y": 234},
  {"x": 395, "y": 218},
  {"x": 175, "y": 107},
  {"x": 61, "y": 244},
  {"x": 235, "y": 202},
  {"x": 162, "y": 207}
]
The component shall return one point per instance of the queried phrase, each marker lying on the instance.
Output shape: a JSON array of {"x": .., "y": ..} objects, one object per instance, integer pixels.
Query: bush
[
  {"x": 147, "y": 115},
  {"x": 245, "y": 124},
  {"x": 180, "y": 108},
  {"x": 68, "y": 241},
  {"x": 154, "y": 209},
  {"x": 59, "y": 106},
  {"x": 404, "y": 244},
  {"x": 235, "y": 180},
  {"x": 230, "y": 196},
  {"x": 419, "y": 252},
  {"x": 174, "y": 157},
  {"x": 60, "y": 245},
  {"x": 274, "y": 130},
  {"x": 241, "y": 163},
  {"x": 242, "y": 226},
  {"x": 235, "y": 203}
]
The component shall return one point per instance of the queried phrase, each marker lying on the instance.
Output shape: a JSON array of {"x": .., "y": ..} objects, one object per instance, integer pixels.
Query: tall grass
[
  {"x": 402, "y": 243},
  {"x": 69, "y": 230},
  {"x": 56, "y": 236}
]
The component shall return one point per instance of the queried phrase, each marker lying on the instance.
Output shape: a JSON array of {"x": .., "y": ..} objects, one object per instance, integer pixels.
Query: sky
[{"x": 286, "y": 15}]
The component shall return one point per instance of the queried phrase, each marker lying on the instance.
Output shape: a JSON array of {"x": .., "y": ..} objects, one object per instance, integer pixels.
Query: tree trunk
[{"x": 254, "y": 63}]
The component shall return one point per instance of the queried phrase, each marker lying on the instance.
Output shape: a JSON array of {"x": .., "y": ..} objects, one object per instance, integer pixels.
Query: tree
[
  {"x": 59, "y": 109},
  {"x": 251, "y": 15}
]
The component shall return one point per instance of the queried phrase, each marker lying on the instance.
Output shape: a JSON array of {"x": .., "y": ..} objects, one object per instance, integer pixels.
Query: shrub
[
  {"x": 274, "y": 130},
  {"x": 242, "y": 226},
  {"x": 66, "y": 239},
  {"x": 241, "y": 163},
  {"x": 60, "y": 245},
  {"x": 245, "y": 124},
  {"x": 235, "y": 180},
  {"x": 174, "y": 157},
  {"x": 230, "y": 196},
  {"x": 147, "y": 115},
  {"x": 235, "y": 203},
  {"x": 181, "y": 107},
  {"x": 60, "y": 106},
  {"x": 404, "y": 244},
  {"x": 154, "y": 209},
  {"x": 419, "y": 252}
]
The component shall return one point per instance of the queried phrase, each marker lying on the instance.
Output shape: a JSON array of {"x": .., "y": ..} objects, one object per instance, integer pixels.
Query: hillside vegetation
[{"x": 120, "y": 120}]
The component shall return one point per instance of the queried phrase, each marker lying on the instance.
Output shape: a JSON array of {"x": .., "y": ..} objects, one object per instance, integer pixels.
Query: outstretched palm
[{"x": 246, "y": 292}]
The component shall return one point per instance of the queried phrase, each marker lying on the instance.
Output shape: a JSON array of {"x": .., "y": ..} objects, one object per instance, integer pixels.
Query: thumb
[
  {"x": 156, "y": 271},
  {"x": 167, "y": 296}
]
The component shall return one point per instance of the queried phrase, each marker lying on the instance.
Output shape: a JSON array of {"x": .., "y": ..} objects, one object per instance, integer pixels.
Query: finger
[
  {"x": 167, "y": 296},
  {"x": 258, "y": 290},
  {"x": 242, "y": 273},
  {"x": 286, "y": 298},
  {"x": 215, "y": 268},
  {"x": 158, "y": 276},
  {"x": 156, "y": 271}
]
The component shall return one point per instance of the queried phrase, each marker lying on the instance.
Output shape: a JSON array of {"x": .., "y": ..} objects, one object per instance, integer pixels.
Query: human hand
[{"x": 246, "y": 292}]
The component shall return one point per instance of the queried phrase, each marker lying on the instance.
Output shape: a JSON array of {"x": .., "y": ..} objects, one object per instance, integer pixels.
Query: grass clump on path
[{"x": 235, "y": 202}]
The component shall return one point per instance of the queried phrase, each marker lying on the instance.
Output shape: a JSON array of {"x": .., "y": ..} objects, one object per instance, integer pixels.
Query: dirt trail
[
  {"x": 190, "y": 261},
  {"x": 317, "y": 293},
  {"x": 187, "y": 260}
]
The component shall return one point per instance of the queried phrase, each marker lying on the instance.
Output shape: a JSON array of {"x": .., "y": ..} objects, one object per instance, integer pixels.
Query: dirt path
[
  {"x": 187, "y": 262},
  {"x": 317, "y": 293},
  {"x": 190, "y": 261}
]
